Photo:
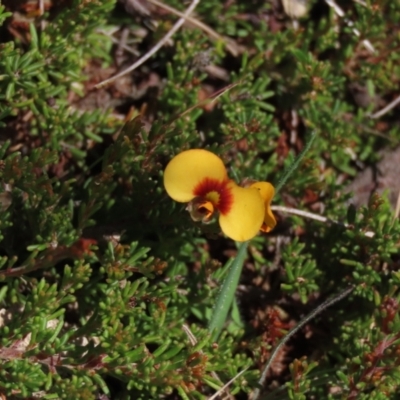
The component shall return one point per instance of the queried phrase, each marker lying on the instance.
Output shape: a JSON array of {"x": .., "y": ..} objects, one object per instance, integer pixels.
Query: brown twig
[{"x": 229, "y": 43}]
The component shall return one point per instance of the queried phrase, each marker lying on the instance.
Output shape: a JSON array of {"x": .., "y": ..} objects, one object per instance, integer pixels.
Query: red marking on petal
[{"x": 209, "y": 185}]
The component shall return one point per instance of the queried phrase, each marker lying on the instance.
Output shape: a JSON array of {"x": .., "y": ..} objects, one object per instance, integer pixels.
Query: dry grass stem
[
  {"x": 231, "y": 46},
  {"x": 120, "y": 43},
  {"x": 316, "y": 217},
  {"x": 221, "y": 391},
  {"x": 193, "y": 342},
  {"x": 367, "y": 44},
  {"x": 191, "y": 337},
  {"x": 363, "y": 3},
  {"x": 397, "y": 211},
  {"x": 386, "y": 109},
  {"x": 327, "y": 303},
  {"x": 211, "y": 99},
  {"x": 154, "y": 49}
]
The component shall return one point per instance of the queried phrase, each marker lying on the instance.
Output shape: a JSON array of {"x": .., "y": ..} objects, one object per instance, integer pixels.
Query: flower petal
[
  {"x": 245, "y": 216},
  {"x": 201, "y": 210},
  {"x": 267, "y": 192},
  {"x": 189, "y": 169}
]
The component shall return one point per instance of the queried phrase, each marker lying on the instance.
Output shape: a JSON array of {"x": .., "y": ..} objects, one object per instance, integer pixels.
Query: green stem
[
  {"x": 228, "y": 289},
  {"x": 295, "y": 163},
  {"x": 227, "y": 293}
]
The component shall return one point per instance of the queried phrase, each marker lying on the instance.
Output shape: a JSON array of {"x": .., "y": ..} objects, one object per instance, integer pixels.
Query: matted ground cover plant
[{"x": 199, "y": 199}]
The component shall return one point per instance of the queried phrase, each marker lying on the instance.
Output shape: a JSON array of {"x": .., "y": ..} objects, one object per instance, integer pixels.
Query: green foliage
[
  {"x": 301, "y": 271},
  {"x": 107, "y": 288},
  {"x": 39, "y": 78}
]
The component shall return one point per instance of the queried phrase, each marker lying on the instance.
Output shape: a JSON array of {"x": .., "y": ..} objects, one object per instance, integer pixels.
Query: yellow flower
[
  {"x": 267, "y": 192},
  {"x": 199, "y": 177}
]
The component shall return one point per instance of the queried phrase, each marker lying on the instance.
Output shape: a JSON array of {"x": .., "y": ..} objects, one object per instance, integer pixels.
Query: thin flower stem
[
  {"x": 153, "y": 50},
  {"x": 227, "y": 293},
  {"x": 327, "y": 303},
  {"x": 295, "y": 164}
]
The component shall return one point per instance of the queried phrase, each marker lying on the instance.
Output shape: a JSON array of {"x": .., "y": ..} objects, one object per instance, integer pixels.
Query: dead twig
[
  {"x": 316, "y": 217},
  {"x": 154, "y": 49},
  {"x": 193, "y": 342},
  {"x": 386, "y": 109},
  {"x": 229, "y": 43},
  {"x": 397, "y": 211},
  {"x": 367, "y": 44},
  {"x": 222, "y": 390},
  {"x": 121, "y": 43}
]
